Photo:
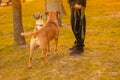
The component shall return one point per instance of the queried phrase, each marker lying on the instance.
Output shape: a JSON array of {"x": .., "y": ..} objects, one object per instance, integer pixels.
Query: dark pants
[{"x": 78, "y": 27}]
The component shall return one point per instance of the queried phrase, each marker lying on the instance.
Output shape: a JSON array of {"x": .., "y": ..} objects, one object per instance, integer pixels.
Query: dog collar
[
  {"x": 36, "y": 28},
  {"x": 39, "y": 24}
]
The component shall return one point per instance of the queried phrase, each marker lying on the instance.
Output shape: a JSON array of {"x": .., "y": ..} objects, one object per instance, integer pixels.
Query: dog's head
[
  {"x": 52, "y": 14},
  {"x": 37, "y": 16}
]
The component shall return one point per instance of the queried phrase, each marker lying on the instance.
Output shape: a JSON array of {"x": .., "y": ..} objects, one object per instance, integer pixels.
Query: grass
[{"x": 100, "y": 61}]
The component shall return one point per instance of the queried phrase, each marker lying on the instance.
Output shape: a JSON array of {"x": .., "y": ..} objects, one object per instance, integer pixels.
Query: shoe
[
  {"x": 72, "y": 48},
  {"x": 76, "y": 52}
]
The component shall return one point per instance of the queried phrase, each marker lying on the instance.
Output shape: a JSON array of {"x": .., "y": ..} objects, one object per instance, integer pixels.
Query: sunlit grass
[{"x": 100, "y": 61}]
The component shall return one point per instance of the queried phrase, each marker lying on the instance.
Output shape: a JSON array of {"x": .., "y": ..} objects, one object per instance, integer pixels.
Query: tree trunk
[{"x": 17, "y": 22}]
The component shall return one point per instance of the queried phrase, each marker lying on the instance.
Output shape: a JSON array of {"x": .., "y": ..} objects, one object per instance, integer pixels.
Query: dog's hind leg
[
  {"x": 32, "y": 48},
  {"x": 44, "y": 47},
  {"x": 44, "y": 51}
]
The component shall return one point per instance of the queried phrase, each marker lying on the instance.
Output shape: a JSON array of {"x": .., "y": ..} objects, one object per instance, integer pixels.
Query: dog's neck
[
  {"x": 52, "y": 17},
  {"x": 39, "y": 24}
]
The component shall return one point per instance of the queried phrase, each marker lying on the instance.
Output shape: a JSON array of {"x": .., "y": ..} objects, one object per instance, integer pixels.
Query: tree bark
[{"x": 17, "y": 22}]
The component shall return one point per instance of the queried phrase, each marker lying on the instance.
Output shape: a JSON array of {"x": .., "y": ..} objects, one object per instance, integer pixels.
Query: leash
[
  {"x": 75, "y": 12},
  {"x": 81, "y": 21}
]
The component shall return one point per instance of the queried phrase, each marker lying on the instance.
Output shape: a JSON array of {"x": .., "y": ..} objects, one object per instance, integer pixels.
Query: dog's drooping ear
[
  {"x": 57, "y": 12},
  {"x": 40, "y": 14},
  {"x": 46, "y": 13}
]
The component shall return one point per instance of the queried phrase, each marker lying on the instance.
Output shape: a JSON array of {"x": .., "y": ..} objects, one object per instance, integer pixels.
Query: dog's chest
[{"x": 38, "y": 27}]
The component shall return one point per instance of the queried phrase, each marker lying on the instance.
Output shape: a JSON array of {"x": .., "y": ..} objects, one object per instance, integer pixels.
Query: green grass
[{"x": 100, "y": 61}]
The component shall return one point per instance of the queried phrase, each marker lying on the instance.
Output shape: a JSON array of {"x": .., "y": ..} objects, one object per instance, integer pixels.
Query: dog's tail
[{"x": 28, "y": 34}]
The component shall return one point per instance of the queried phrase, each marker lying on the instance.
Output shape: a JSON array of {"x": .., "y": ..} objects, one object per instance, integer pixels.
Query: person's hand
[{"x": 77, "y": 6}]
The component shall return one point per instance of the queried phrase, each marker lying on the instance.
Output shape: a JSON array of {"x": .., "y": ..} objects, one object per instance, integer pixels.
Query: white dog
[{"x": 39, "y": 21}]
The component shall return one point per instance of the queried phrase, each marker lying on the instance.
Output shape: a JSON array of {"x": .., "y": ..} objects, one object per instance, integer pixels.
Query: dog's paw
[
  {"x": 29, "y": 66},
  {"x": 48, "y": 53},
  {"x": 56, "y": 53}
]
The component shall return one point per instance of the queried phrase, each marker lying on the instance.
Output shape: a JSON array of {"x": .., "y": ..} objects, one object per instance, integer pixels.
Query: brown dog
[{"x": 44, "y": 35}]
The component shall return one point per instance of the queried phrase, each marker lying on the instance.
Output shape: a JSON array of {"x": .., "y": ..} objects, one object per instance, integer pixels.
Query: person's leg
[
  {"x": 76, "y": 28},
  {"x": 59, "y": 20},
  {"x": 79, "y": 29},
  {"x": 72, "y": 24}
]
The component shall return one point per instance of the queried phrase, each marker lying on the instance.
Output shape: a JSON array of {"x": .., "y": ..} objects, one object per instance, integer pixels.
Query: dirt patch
[
  {"x": 112, "y": 14},
  {"x": 66, "y": 25},
  {"x": 108, "y": 15}
]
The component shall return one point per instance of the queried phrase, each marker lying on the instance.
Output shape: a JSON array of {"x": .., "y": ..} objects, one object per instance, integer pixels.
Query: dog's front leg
[
  {"x": 48, "y": 53},
  {"x": 56, "y": 43}
]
